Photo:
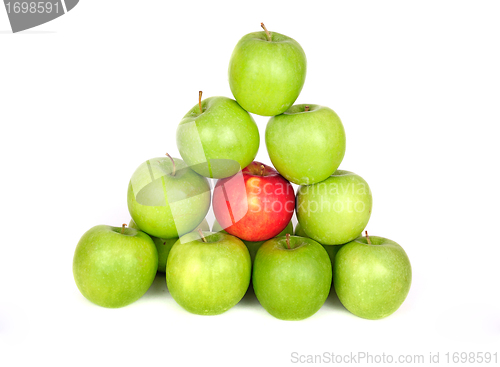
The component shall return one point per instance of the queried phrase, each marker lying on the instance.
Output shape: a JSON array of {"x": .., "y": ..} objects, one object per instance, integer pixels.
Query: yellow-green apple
[
  {"x": 114, "y": 266},
  {"x": 166, "y": 198},
  {"x": 306, "y": 143},
  {"x": 336, "y": 210},
  {"x": 256, "y": 204},
  {"x": 217, "y": 138},
  {"x": 208, "y": 274},
  {"x": 266, "y": 72},
  {"x": 292, "y": 277},
  {"x": 372, "y": 276}
]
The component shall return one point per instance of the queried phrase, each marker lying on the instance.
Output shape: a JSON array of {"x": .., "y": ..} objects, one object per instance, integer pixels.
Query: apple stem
[
  {"x": 368, "y": 238},
  {"x": 262, "y": 168},
  {"x": 306, "y": 108},
  {"x": 173, "y": 163},
  {"x": 267, "y": 32},
  {"x": 288, "y": 240},
  {"x": 201, "y": 235},
  {"x": 123, "y": 228},
  {"x": 199, "y": 100}
]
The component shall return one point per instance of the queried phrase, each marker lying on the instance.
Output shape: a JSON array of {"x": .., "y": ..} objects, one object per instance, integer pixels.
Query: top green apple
[
  {"x": 217, "y": 138},
  {"x": 267, "y": 71}
]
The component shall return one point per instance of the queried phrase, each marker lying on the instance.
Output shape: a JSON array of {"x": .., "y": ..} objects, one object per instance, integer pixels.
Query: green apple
[
  {"x": 166, "y": 198},
  {"x": 372, "y": 278},
  {"x": 217, "y": 138},
  {"x": 306, "y": 143},
  {"x": 336, "y": 210},
  {"x": 113, "y": 266},
  {"x": 267, "y": 71},
  {"x": 331, "y": 249},
  {"x": 253, "y": 246},
  {"x": 208, "y": 278},
  {"x": 292, "y": 277},
  {"x": 164, "y": 245}
]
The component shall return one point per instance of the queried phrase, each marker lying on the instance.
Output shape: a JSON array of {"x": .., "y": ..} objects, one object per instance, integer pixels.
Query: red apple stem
[
  {"x": 199, "y": 100},
  {"x": 306, "y": 108},
  {"x": 123, "y": 228},
  {"x": 262, "y": 169},
  {"x": 268, "y": 34},
  {"x": 201, "y": 235},
  {"x": 368, "y": 238},
  {"x": 288, "y": 240},
  {"x": 173, "y": 163}
]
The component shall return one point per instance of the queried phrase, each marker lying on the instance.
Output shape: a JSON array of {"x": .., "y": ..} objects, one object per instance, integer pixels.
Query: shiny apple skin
[{"x": 254, "y": 205}]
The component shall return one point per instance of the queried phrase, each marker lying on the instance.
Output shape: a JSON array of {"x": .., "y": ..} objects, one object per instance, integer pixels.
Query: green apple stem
[
  {"x": 199, "y": 100},
  {"x": 201, "y": 235},
  {"x": 306, "y": 108},
  {"x": 288, "y": 240},
  {"x": 173, "y": 163},
  {"x": 368, "y": 238},
  {"x": 123, "y": 228},
  {"x": 267, "y": 32}
]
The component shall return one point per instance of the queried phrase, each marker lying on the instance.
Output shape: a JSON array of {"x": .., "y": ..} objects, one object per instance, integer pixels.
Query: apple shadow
[
  {"x": 333, "y": 301},
  {"x": 249, "y": 299},
  {"x": 159, "y": 287}
]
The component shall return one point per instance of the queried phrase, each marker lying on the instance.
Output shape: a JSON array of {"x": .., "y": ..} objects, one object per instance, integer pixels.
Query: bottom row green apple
[
  {"x": 372, "y": 276},
  {"x": 114, "y": 266},
  {"x": 292, "y": 277},
  {"x": 208, "y": 274}
]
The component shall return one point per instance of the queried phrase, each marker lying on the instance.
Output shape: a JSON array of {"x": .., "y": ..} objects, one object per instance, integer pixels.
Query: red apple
[{"x": 256, "y": 204}]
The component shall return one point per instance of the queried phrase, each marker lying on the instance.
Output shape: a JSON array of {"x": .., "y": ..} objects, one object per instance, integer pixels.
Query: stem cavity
[
  {"x": 173, "y": 163},
  {"x": 368, "y": 238},
  {"x": 268, "y": 34}
]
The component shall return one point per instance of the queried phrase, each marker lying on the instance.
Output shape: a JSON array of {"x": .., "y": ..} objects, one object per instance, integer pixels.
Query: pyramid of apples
[{"x": 252, "y": 241}]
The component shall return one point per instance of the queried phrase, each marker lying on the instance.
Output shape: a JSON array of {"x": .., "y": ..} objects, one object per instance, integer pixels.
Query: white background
[{"x": 88, "y": 97}]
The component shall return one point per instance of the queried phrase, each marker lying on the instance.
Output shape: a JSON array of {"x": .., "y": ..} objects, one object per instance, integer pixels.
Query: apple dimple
[
  {"x": 293, "y": 246},
  {"x": 124, "y": 232},
  {"x": 210, "y": 237}
]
